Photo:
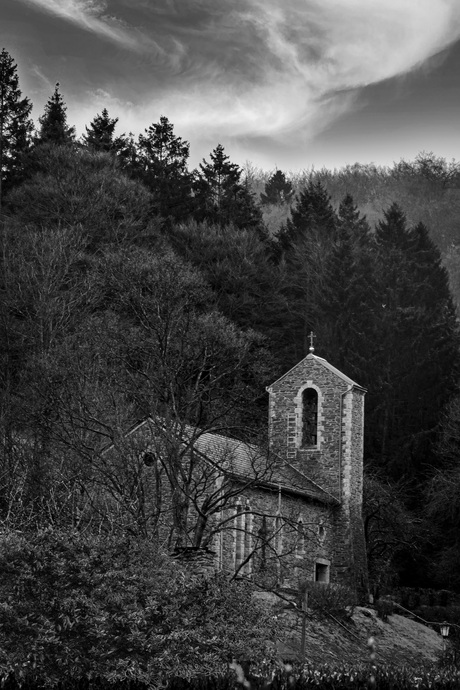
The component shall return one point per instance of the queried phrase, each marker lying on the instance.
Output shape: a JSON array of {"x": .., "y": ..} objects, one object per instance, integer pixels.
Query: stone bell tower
[{"x": 316, "y": 424}]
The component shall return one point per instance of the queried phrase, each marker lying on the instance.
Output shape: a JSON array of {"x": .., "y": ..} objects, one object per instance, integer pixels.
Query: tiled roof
[
  {"x": 248, "y": 462},
  {"x": 245, "y": 462}
]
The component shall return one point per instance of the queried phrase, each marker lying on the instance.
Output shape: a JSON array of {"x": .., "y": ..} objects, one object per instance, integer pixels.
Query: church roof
[
  {"x": 323, "y": 362},
  {"x": 248, "y": 463}
]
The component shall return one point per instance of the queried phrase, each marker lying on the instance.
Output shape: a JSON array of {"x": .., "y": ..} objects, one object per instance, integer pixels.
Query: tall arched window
[
  {"x": 300, "y": 539},
  {"x": 239, "y": 535},
  {"x": 309, "y": 417},
  {"x": 248, "y": 538},
  {"x": 243, "y": 537}
]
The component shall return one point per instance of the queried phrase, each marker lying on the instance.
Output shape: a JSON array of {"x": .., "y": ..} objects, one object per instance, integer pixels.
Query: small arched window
[
  {"x": 309, "y": 417},
  {"x": 300, "y": 541}
]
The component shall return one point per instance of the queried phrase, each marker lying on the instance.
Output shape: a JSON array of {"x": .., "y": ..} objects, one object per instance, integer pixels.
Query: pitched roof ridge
[{"x": 326, "y": 364}]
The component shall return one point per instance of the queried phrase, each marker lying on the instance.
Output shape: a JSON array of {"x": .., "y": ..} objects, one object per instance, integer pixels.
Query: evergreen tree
[
  {"x": 351, "y": 223},
  {"x": 100, "y": 134},
  {"x": 74, "y": 187},
  {"x": 348, "y": 298},
  {"x": 278, "y": 189},
  {"x": 162, "y": 165},
  {"x": 416, "y": 359},
  {"x": 128, "y": 155},
  {"x": 236, "y": 263},
  {"x": 312, "y": 218},
  {"x": 53, "y": 122},
  {"x": 304, "y": 247},
  {"x": 221, "y": 197},
  {"x": 15, "y": 124}
]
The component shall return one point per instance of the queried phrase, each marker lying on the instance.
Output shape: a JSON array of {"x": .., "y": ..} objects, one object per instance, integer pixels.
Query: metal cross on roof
[{"x": 312, "y": 336}]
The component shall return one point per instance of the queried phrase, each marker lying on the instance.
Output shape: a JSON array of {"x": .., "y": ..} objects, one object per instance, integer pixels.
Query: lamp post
[
  {"x": 444, "y": 627},
  {"x": 304, "y": 625}
]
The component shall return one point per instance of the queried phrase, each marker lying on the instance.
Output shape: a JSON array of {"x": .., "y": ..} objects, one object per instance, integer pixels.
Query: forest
[{"x": 132, "y": 285}]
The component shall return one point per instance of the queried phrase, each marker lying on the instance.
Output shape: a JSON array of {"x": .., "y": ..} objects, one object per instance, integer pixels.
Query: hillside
[{"x": 398, "y": 642}]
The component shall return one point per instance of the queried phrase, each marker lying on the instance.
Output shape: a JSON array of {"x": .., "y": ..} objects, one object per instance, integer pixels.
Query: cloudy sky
[{"x": 280, "y": 83}]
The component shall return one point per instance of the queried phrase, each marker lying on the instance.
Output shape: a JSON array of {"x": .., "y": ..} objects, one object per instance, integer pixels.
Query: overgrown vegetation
[
  {"x": 320, "y": 678},
  {"x": 80, "y": 606},
  {"x": 132, "y": 286}
]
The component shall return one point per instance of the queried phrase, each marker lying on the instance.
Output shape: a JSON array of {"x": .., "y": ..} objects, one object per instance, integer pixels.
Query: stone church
[
  {"x": 286, "y": 513},
  {"x": 314, "y": 496}
]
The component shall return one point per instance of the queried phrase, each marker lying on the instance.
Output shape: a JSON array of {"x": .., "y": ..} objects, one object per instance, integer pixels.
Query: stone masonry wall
[
  {"x": 283, "y": 561},
  {"x": 336, "y": 461},
  {"x": 320, "y": 463},
  {"x": 350, "y": 549}
]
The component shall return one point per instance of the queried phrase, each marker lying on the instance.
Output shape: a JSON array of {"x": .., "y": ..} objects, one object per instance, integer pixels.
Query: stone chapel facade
[
  {"x": 303, "y": 521},
  {"x": 316, "y": 425},
  {"x": 301, "y": 518}
]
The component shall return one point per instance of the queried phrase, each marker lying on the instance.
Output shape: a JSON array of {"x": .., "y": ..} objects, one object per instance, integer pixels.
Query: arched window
[
  {"x": 278, "y": 542},
  {"x": 299, "y": 549},
  {"x": 239, "y": 535},
  {"x": 243, "y": 537},
  {"x": 300, "y": 540},
  {"x": 309, "y": 417},
  {"x": 248, "y": 538},
  {"x": 321, "y": 531}
]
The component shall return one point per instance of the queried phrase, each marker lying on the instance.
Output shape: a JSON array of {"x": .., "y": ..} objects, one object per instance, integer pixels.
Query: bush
[
  {"x": 335, "y": 600},
  {"x": 384, "y": 608},
  {"x": 75, "y": 607},
  {"x": 352, "y": 678}
]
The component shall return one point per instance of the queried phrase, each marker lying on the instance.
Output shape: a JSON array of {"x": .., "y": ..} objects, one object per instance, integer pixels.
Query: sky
[{"x": 287, "y": 84}]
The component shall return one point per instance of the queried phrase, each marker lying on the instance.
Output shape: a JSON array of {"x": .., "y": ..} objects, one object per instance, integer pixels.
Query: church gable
[{"x": 315, "y": 417}]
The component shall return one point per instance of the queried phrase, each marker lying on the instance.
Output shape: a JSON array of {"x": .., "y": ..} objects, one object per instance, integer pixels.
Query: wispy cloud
[
  {"x": 262, "y": 67},
  {"x": 244, "y": 68},
  {"x": 93, "y": 16}
]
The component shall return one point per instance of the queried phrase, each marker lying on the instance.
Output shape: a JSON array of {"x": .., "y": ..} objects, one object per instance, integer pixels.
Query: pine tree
[
  {"x": 100, "y": 134},
  {"x": 162, "y": 165},
  {"x": 350, "y": 221},
  {"x": 53, "y": 122},
  {"x": 15, "y": 124},
  {"x": 348, "y": 298},
  {"x": 416, "y": 361},
  {"x": 312, "y": 218},
  {"x": 304, "y": 246},
  {"x": 278, "y": 189},
  {"x": 221, "y": 197}
]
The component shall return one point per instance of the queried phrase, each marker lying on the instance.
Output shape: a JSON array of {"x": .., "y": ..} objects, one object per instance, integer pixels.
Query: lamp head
[{"x": 444, "y": 629}]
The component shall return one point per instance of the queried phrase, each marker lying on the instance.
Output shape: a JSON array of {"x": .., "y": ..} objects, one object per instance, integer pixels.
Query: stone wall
[
  {"x": 285, "y": 558},
  {"x": 336, "y": 462},
  {"x": 320, "y": 463}
]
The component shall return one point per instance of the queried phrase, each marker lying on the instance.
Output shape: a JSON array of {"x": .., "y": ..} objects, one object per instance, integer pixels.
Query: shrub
[
  {"x": 384, "y": 607},
  {"x": 75, "y": 607},
  {"x": 336, "y": 600}
]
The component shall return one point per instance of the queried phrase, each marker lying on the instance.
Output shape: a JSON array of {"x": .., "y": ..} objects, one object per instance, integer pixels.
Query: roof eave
[{"x": 324, "y": 363}]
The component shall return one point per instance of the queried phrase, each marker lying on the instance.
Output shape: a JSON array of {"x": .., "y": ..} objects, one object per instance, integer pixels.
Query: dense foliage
[
  {"x": 131, "y": 285},
  {"x": 76, "y": 606},
  {"x": 15, "y": 124},
  {"x": 310, "y": 677}
]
